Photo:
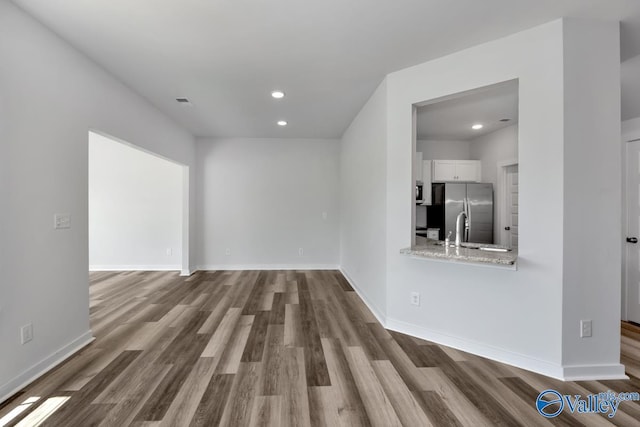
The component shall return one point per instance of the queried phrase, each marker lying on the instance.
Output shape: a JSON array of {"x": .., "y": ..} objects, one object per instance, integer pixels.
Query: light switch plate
[{"x": 26, "y": 333}]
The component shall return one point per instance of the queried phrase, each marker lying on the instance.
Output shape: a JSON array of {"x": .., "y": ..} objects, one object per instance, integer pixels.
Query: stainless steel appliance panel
[
  {"x": 455, "y": 195},
  {"x": 480, "y": 212}
]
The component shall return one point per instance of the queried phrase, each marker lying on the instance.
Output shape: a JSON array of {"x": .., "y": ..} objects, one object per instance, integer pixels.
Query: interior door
[
  {"x": 512, "y": 207},
  {"x": 633, "y": 227}
]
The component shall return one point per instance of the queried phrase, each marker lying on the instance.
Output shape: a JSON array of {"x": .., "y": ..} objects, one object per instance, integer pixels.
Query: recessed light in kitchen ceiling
[
  {"x": 477, "y": 126},
  {"x": 282, "y": 123},
  {"x": 277, "y": 94}
]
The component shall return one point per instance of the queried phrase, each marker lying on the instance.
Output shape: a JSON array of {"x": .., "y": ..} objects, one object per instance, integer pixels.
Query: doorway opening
[
  {"x": 631, "y": 231},
  {"x": 138, "y": 208},
  {"x": 506, "y": 232}
]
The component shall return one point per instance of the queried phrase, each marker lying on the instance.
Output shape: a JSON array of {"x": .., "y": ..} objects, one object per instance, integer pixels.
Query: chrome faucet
[{"x": 460, "y": 226}]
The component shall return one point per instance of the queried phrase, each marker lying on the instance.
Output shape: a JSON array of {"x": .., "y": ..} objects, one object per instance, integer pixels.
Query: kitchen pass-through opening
[{"x": 466, "y": 161}]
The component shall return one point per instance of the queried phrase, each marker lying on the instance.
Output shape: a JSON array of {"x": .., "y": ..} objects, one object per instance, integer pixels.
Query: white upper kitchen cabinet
[
  {"x": 426, "y": 182},
  {"x": 457, "y": 170}
]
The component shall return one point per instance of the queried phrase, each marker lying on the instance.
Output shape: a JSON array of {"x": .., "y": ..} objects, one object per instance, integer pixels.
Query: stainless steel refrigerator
[{"x": 475, "y": 199}]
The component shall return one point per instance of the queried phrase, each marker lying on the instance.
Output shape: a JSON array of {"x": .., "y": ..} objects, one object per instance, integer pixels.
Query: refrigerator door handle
[{"x": 467, "y": 228}]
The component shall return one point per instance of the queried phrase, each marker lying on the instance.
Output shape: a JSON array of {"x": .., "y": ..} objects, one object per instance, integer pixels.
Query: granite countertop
[{"x": 469, "y": 253}]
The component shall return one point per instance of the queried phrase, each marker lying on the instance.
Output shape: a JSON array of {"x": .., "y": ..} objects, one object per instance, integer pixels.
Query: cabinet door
[
  {"x": 444, "y": 170},
  {"x": 468, "y": 170},
  {"x": 417, "y": 166},
  {"x": 426, "y": 182}
]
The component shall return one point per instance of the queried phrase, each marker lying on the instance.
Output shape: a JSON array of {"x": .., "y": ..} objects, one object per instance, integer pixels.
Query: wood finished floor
[{"x": 281, "y": 349}]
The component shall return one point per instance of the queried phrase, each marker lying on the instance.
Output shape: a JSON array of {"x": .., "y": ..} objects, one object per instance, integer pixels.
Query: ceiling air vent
[{"x": 184, "y": 101}]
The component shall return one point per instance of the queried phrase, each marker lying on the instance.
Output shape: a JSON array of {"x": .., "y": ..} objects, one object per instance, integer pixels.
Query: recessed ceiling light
[
  {"x": 282, "y": 122},
  {"x": 477, "y": 126},
  {"x": 277, "y": 94}
]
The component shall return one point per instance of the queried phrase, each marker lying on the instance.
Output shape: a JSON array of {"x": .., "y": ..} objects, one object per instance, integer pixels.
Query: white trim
[
  {"x": 501, "y": 191},
  {"x": 382, "y": 318},
  {"x": 185, "y": 218},
  {"x": 36, "y": 371},
  {"x": 624, "y": 309},
  {"x": 490, "y": 352},
  {"x": 188, "y": 272},
  {"x": 242, "y": 267},
  {"x": 543, "y": 367},
  {"x": 594, "y": 372},
  {"x": 134, "y": 146},
  {"x": 564, "y": 373},
  {"x": 135, "y": 268}
]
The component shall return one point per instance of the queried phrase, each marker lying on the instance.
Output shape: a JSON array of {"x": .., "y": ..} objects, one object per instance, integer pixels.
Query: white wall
[
  {"x": 263, "y": 199},
  {"x": 135, "y": 208},
  {"x": 487, "y": 310},
  {"x": 50, "y": 97},
  {"x": 631, "y": 95},
  {"x": 592, "y": 193},
  {"x": 491, "y": 149},
  {"x": 363, "y": 202},
  {"x": 631, "y": 128},
  {"x": 444, "y": 150},
  {"x": 512, "y": 316}
]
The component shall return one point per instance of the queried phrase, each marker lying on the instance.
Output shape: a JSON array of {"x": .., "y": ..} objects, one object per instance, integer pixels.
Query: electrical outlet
[
  {"x": 585, "y": 328},
  {"x": 26, "y": 333},
  {"x": 61, "y": 221},
  {"x": 324, "y": 216},
  {"x": 415, "y": 298},
  {"x": 300, "y": 252},
  {"x": 227, "y": 251},
  {"x": 169, "y": 251}
]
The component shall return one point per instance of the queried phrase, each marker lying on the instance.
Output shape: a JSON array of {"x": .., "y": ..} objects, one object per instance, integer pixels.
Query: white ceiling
[
  {"x": 452, "y": 118},
  {"x": 328, "y": 56}
]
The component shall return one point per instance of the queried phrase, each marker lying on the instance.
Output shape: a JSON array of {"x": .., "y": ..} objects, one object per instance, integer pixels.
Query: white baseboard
[
  {"x": 379, "y": 314},
  {"x": 135, "y": 268},
  {"x": 594, "y": 372},
  {"x": 543, "y": 367},
  {"x": 490, "y": 352},
  {"x": 187, "y": 273},
  {"x": 242, "y": 267},
  {"x": 36, "y": 371}
]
